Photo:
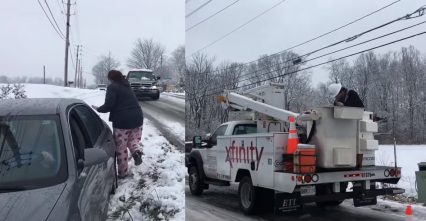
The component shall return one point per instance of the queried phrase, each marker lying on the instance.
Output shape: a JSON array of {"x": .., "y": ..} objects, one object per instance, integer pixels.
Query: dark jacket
[
  {"x": 121, "y": 102},
  {"x": 353, "y": 99}
]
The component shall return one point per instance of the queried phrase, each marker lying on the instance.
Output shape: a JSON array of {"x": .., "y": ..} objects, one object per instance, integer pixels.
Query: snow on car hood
[{"x": 33, "y": 204}]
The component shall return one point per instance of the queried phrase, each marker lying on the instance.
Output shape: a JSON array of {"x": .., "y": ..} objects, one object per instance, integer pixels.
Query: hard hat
[{"x": 334, "y": 89}]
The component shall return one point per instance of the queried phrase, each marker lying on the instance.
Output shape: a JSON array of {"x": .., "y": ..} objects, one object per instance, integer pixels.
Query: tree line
[
  {"x": 390, "y": 85},
  {"x": 146, "y": 54},
  {"x": 31, "y": 80}
]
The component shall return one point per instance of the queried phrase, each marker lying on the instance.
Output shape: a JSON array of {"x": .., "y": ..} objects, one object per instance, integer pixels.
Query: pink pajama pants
[{"x": 126, "y": 138}]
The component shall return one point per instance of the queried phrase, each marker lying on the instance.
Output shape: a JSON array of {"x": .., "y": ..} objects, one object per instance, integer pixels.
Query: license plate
[
  {"x": 307, "y": 190},
  {"x": 398, "y": 191}
]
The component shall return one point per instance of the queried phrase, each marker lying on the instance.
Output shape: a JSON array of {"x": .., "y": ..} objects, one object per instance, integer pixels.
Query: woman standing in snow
[{"x": 127, "y": 120}]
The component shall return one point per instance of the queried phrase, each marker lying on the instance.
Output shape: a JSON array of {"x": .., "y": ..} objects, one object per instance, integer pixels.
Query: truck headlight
[{"x": 154, "y": 87}]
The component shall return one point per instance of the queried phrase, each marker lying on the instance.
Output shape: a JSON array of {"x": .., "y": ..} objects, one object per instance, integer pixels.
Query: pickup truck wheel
[
  {"x": 156, "y": 97},
  {"x": 248, "y": 195},
  {"x": 195, "y": 184}
]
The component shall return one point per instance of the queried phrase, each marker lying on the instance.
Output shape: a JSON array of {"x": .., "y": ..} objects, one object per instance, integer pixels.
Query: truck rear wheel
[
  {"x": 196, "y": 186},
  {"x": 248, "y": 195}
]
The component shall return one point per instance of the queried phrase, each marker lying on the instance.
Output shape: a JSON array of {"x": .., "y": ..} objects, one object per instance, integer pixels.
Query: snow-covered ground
[
  {"x": 408, "y": 156},
  {"x": 156, "y": 190}
]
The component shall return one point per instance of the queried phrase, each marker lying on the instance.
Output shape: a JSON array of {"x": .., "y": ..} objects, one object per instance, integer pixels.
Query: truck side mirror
[
  {"x": 196, "y": 142},
  {"x": 158, "y": 77}
]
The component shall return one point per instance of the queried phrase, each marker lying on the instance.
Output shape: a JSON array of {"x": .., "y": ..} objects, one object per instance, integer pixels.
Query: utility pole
[
  {"x": 80, "y": 72},
  {"x": 80, "y": 80},
  {"x": 76, "y": 67},
  {"x": 44, "y": 74},
  {"x": 67, "y": 43}
]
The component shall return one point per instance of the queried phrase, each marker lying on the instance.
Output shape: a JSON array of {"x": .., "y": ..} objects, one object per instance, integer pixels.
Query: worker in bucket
[
  {"x": 344, "y": 97},
  {"x": 127, "y": 120}
]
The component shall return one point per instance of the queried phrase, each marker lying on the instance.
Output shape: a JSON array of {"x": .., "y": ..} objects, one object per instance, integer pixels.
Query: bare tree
[
  {"x": 104, "y": 65},
  {"x": 411, "y": 73},
  {"x": 179, "y": 64},
  {"x": 280, "y": 68},
  {"x": 146, "y": 54},
  {"x": 365, "y": 67}
]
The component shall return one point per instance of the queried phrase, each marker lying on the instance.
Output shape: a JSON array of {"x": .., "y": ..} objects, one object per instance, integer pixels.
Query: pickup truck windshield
[
  {"x": 141, "y": 75},
  {"x": 32, "y": 152}
]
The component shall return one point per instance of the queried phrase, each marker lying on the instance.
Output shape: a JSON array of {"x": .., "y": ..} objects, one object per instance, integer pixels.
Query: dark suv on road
[
  {"x": 57, "y": 161},
  {"x": 144, "y": 83}
]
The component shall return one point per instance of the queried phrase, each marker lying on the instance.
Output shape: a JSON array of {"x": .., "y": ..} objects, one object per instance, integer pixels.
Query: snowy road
[
  {"x": 168, "y": 115},
  {"x": 221, "y": 203}
]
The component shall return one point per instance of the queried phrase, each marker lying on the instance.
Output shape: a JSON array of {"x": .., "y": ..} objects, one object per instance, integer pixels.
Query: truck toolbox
[{"x": 305, "y": 159}]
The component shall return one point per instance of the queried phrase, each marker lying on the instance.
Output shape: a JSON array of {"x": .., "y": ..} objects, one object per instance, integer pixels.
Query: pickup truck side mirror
[
  {"x": 196, "y": 142},
  {"x": 94, "y": 156},
  {"x": 158, "y": 77}
]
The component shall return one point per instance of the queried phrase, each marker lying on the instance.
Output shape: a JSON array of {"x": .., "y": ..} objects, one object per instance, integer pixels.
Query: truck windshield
[
  {"x": 32, "y": 152},
  {"x": 141, "y": 75}
]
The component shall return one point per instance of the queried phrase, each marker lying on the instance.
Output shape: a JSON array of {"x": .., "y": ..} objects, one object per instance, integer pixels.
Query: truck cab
[{"x": 144, "y": 83}]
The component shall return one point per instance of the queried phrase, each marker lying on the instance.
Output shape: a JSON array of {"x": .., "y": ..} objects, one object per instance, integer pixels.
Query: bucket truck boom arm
[{"x": 241, "y": 102}]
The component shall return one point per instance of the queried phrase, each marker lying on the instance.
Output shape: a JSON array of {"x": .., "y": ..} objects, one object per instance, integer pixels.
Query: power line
[
  {"x": 197, "y": 9},
  {"x": 53, "y": 17},
  {"x": 408, "y": 16},
  {"x": 324, "y": 55},
  {"x": 319, "y": 64},
  {"x": 223, "y": 9},
  {"x": 77, "y": 25},
  {"x": 333, "y": 52},
  {"x": 47, "y": 16},
  {"x": 336, "y": 29},
  {"x": 72, "y": 61},
  {"x": 238, "y": 28}
]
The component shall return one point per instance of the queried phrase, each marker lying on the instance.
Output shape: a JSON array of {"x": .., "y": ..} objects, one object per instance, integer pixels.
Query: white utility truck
[{"x": 255, "y": 152}]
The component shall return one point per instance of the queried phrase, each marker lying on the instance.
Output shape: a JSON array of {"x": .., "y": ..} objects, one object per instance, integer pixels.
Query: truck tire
[
  {"x": 196, "y": 186},
  {"x": 248, "y": 196},
  {"x": 156, "y": 97}
]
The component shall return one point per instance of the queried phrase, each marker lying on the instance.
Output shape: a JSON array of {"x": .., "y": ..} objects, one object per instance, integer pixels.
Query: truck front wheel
[
  {"x": 156, "y": 97},
  {"x": 248, "y": 195},
  {"x": 195, "y": 183}
]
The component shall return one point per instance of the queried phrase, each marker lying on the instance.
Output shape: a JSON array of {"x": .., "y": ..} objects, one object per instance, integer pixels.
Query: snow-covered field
[
  {"x": 408, "y": 156},
  {"x": 156, "y": 190}
]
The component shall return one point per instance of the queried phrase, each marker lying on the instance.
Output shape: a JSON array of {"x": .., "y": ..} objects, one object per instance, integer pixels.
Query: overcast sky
[
  {"x": 293, "y": 22},
  {"x": 28, "y": 41}
]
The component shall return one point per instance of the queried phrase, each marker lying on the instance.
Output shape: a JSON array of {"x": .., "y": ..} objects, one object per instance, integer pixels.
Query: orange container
[{"x": 305, "y": 159}]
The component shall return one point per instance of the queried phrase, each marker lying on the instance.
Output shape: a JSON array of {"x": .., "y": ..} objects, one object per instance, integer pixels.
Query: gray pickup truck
[{"x": 144, "y": 83}]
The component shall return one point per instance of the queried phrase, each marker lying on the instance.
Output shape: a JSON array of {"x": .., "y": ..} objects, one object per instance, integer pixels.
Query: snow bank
[
  {"x": 408, "y": 156},
  {"x": 156, "y": 191}
]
